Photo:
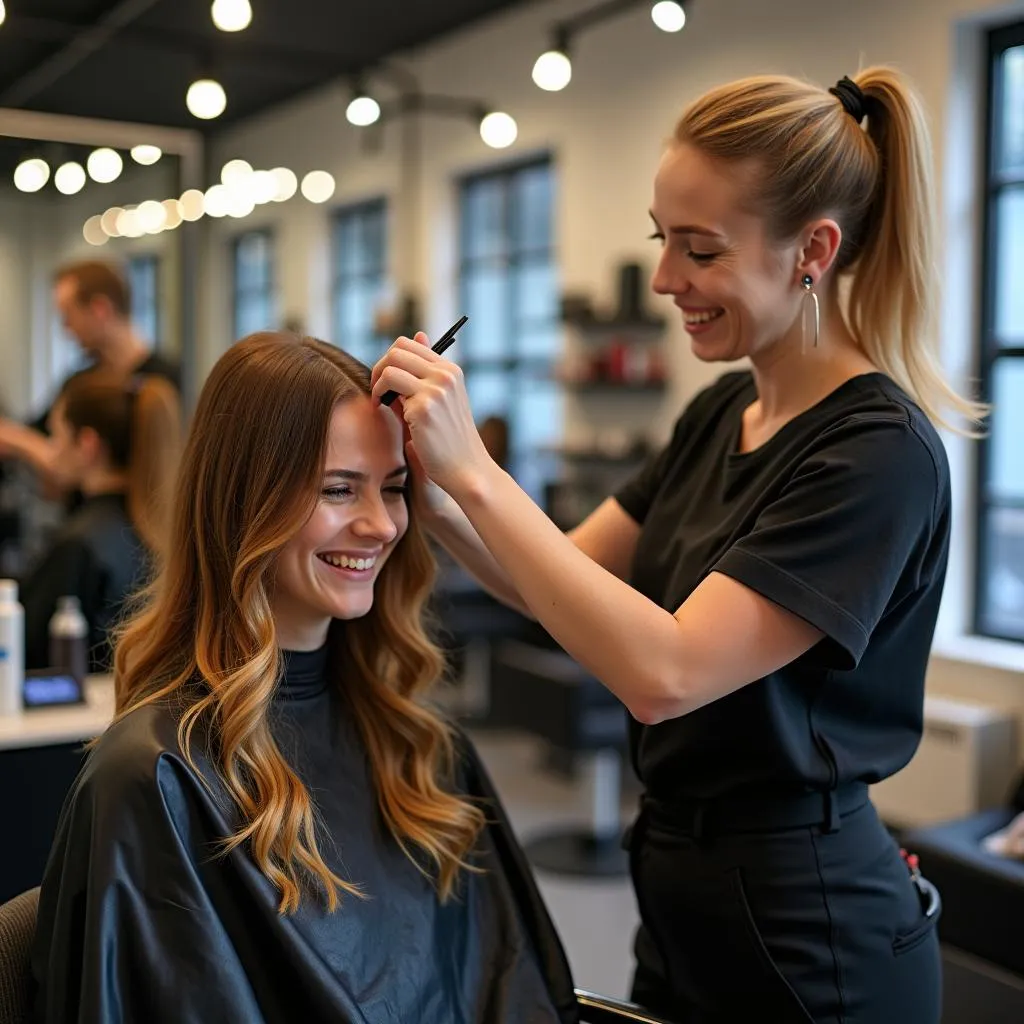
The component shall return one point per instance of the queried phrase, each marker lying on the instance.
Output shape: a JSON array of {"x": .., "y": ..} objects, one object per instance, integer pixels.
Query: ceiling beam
[
  {"x": 82, "y": 45},
  {"x": 225, "y": 50}
]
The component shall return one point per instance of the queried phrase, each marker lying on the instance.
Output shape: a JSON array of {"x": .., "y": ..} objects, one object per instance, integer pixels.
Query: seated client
[
  {"x": 278, "y": 827},
  {"x": 116, "y": 441}
]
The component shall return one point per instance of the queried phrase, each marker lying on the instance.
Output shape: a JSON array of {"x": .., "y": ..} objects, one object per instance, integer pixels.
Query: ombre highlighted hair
[{"x": 205, "y": 638}]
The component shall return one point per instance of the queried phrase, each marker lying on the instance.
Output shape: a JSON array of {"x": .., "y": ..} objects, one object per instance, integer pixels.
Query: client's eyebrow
[{"x": 355, "y": 475}]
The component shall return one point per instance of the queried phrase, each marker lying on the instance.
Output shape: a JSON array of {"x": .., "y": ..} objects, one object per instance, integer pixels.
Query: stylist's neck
[
  {"x": 103, "y": 480},
  {"x": 792, "y": 376}
]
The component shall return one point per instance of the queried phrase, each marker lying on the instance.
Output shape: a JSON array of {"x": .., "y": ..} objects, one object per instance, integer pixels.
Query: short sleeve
[
  {"x": 848, "y": 530},
  {"x": 637, "y": 494}
]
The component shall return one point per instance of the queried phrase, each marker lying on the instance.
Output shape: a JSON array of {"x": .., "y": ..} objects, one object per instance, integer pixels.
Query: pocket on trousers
[
  {"x": 792, "y": 1002},
  {"x": 910, "y": 938}
]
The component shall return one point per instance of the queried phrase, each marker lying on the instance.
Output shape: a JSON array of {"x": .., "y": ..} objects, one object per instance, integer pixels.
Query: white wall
[{"x": 605, "y": 134}]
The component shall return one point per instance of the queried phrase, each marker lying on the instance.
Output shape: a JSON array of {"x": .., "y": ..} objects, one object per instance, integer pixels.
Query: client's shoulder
[{"x": 127, "y": 758}]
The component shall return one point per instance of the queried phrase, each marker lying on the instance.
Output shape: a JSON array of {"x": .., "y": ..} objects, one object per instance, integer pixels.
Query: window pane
[
  {"x": 486, "y": 293},
  {"x": 532, "y": 198},
  {"x": 1003, "y": 589},
  {"x": 355, "y": 311},
  {"x": 540, "y": 342},
  {"x": 1009, "y": 267},
  {"x": 489, "y": 393},
  {"x": 373, "y": 239},
  {"x": 538, "y": 413},
  {"x": 535, "y": 294},
  {"x": 483, "y": 222},
  {"x": 1011, "y": 118},
  {"x": 1006, "y": 452},
  {"x": 346, "y": 245},
  {"x": 253, "y": 315},
  {"x": 252, "y": 261},
  {"x": 142, "y": 278}
]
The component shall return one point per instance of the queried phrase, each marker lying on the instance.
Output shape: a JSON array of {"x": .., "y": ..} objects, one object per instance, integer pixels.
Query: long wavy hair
[{"x": 204, "y": 636}]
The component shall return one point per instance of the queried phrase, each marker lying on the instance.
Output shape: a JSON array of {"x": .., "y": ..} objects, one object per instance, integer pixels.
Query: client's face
[{"x": 327, "y": 571}]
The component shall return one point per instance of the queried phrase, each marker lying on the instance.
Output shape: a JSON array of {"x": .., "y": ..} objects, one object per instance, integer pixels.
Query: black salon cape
[{"x": 139, "y": 922}]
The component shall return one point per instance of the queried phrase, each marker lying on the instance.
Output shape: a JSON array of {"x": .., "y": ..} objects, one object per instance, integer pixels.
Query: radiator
[{"x": 967, "y": 761}]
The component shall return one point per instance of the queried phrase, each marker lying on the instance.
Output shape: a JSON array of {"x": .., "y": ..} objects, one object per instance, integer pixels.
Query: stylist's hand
[{"x": 436, "y": 411}]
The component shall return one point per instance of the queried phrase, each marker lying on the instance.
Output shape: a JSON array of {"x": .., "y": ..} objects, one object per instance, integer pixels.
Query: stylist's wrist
[{"x": 474, "y": 483}]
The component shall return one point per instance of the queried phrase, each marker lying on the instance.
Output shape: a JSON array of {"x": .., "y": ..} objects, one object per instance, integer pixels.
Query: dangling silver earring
[{"x": 808, "y": 282}]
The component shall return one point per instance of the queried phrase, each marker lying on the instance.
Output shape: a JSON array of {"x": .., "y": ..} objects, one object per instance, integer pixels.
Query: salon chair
[
  {"x": 982, "y": 926},
  {"x": 17, "y": 930}
]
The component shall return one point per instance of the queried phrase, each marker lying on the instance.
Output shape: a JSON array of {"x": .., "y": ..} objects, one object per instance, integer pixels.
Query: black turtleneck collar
[{"x": 305, "y": 674}]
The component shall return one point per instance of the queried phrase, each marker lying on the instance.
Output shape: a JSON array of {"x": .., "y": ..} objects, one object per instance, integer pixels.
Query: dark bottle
[{"x": 69, "y": 639}]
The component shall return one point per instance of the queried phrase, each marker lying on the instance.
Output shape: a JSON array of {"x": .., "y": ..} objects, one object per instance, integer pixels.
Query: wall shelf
[{"x": 610, "y": 387}]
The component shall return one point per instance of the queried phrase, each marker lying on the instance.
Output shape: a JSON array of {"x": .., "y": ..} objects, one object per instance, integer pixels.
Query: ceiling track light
[
  {"x": 552, "y": 70},
  {"x": 363, "y": 109},
  {"x": 206, "y": 99},
  {"x": 668, "y": 15},
  {"x": 231, "y": 15}
]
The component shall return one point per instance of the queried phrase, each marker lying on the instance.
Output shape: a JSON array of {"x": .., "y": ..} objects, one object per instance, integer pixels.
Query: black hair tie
[{"x": 851, "y": 97}]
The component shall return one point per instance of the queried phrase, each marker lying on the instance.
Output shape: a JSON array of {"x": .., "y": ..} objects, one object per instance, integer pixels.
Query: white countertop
[{"x": 42, "y": 727}]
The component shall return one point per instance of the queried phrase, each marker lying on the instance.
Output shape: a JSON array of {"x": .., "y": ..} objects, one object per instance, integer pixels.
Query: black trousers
[{"x": 803, "y": 922}]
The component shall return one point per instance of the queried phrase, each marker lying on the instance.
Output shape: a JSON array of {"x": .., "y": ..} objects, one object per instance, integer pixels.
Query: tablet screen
[{"x": 51, "y": 689}]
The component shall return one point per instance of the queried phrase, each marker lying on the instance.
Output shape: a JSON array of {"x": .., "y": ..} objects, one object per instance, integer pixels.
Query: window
[
  {"x": 144, "y": 281},
  {"x": 508, "y": 288},
  {"x": 255, "y": 297},
  {"x": 358, "y": 256},
  {"x": 999, "y": 605}
]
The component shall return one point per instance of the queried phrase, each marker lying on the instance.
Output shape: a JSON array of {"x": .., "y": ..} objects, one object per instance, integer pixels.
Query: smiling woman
[{"x": 275, "y": 806}]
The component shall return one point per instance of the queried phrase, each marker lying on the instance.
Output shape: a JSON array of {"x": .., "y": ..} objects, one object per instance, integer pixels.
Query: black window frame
[
  {"x": 269, "y": 289},
  {"x": 151, "y": 262},
  {"x": 518, "y": 367},
  {"x": 990, "y": 352},
  {"x": 373, "y": 271}
]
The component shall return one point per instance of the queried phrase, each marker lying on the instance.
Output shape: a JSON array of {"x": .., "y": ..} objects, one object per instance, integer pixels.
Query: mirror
[{"x": 73, "y": 189}]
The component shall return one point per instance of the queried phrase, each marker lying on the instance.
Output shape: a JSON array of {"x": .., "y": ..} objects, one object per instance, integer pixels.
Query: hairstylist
[{"x": 785, "y": 556}]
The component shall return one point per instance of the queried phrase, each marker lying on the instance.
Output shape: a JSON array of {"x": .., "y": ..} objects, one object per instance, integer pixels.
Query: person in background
[
  {"x": 93, "y": 299},
  {"x": 762, "y": 596},
  {"x": 278, "y": 826},
  {"x": 494, "y": 434},
  {"x": 115, "y": 440}
]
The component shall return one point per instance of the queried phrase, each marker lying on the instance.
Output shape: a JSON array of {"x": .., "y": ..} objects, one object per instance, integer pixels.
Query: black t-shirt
[
  {"x": 843, "y": 518},
  {"x": 154, "y": 365}
]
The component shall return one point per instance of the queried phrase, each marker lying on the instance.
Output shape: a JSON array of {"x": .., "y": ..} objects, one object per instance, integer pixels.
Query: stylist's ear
[{"x": 821, "y": 242}]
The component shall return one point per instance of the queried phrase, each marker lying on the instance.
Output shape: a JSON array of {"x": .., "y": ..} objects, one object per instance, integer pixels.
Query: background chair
[
  {"x": 982, "y": 924},
  {"x": 17, "y": 930}
]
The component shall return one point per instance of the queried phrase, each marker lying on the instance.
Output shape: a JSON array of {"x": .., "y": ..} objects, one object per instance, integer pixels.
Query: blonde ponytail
[{"x": 894, "y": 291}]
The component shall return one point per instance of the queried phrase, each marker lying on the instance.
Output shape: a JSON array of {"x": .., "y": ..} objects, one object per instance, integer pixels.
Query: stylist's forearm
[{"x": 624, "y": 639}]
